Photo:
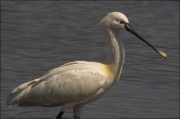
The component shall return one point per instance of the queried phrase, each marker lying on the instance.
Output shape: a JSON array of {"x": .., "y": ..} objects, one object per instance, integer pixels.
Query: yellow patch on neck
[{"x": 109, "y": 70}]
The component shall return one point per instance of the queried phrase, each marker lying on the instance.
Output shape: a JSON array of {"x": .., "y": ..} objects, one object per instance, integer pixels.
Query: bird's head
[
  {"x": 115, "y": 20},
  {"x": 118, "y": 21}
]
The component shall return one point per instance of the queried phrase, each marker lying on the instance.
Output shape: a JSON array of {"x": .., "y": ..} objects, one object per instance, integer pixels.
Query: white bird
[{"x": 77, "y": 83}]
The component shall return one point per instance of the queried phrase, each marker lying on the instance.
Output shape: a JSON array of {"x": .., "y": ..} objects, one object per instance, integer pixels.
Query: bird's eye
[{"x": 122, "y": 22}]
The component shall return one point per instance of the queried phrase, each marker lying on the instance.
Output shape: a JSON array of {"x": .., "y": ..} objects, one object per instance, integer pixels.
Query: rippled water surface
[{"x": 39, "y": 36}]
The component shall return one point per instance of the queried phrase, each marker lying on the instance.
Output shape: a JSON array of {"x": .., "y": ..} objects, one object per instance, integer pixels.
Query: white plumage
[
  {"x": 71, "y": 82},
  {"x": 77, "y": 83}
]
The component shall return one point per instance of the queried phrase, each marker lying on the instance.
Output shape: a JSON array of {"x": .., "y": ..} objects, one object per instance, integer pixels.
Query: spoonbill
[{"x": 77, "y": 83}]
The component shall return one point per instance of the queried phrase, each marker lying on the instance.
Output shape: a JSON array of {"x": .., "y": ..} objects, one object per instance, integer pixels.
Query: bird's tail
[{"x": 18, "y": 95}]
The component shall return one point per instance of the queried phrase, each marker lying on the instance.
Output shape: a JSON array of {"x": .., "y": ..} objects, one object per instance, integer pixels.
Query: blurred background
[{"x": 37, "y": 36}]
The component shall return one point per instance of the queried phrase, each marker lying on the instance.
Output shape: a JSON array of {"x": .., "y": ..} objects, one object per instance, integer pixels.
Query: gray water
[{"x": 39, "y": 36}]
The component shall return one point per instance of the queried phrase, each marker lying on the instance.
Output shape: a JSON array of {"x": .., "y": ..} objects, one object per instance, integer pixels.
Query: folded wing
[{"x": 71, "y": 82}]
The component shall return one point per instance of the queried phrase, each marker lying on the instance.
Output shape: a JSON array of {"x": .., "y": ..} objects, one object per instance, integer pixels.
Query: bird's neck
[{"x": 116, "y": 50}]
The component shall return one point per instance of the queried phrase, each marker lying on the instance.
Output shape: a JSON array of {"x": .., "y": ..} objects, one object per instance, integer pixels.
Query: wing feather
[{"x": 71, "y": 82}]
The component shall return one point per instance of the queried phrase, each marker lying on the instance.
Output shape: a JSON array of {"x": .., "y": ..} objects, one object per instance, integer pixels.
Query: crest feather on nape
[{"x": 105, "y": 22}]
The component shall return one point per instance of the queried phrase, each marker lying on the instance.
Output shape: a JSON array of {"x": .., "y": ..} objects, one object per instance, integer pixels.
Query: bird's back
[{"x": 78, "y": 81}]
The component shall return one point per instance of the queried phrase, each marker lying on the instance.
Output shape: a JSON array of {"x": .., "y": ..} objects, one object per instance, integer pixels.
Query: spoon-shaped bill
[{"x": 130, "y": 29}]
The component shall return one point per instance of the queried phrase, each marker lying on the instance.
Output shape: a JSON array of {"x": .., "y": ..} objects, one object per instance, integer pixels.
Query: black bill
[{"x": 130, "y": 29}]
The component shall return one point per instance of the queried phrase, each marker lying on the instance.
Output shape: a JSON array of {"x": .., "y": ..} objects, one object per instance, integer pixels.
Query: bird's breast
[{"x": 110, "y": 72}]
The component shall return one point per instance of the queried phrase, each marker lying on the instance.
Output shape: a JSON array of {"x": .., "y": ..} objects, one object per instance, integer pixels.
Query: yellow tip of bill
[{"x": 162, "y": 53}]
